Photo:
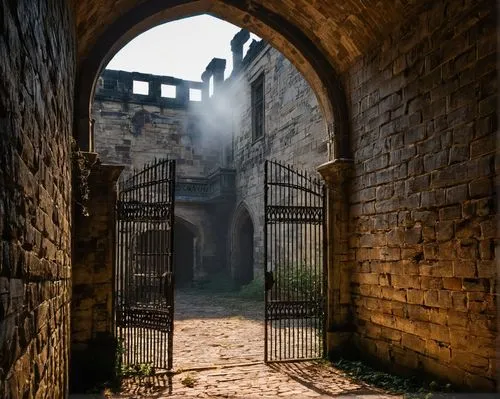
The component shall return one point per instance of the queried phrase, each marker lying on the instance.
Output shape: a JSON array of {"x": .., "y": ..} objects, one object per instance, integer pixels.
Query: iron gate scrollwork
[
  {"x": 295, "y": 264},
  {"x": 144, "y": 279}
]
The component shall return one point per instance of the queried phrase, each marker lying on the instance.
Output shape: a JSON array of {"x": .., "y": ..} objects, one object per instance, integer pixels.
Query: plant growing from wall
[{"x": 82, "y": 165}]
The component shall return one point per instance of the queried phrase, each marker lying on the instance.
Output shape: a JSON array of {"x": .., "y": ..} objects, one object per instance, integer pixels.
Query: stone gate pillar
[
  {"x": 92, "y": 339},
  {"x": 339, "y": 327}
]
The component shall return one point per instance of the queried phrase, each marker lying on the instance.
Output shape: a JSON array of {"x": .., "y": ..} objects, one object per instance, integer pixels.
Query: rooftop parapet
[{"x": 163, "y": 91}]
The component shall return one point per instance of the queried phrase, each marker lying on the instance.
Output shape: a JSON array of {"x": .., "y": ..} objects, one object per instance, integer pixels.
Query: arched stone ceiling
[{"x": 344, "y": 29}]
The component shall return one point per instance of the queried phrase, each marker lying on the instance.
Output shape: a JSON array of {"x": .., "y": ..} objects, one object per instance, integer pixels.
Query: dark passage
[
  {"x": 184, "y": 254},
  {"x": 244, "y": 271}
]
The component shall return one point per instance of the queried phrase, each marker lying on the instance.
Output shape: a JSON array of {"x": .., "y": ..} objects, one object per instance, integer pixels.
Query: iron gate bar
[
  {"x": 144, "y": 279},
  {"x": 294, "y": 264}
]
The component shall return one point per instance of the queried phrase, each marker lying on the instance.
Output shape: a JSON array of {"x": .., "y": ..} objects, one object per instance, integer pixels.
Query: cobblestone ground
[{"x": 218, "y": 353}]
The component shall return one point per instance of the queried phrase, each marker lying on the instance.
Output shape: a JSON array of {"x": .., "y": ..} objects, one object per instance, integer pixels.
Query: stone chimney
[
  {"x": 237, "y": 44},
  {"x": 215, "y": 68}
]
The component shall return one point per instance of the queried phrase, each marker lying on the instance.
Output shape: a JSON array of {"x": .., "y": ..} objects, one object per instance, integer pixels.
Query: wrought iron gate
[
  {"x": 295, "y": 264},
  {"x": 144, "y": 281}
]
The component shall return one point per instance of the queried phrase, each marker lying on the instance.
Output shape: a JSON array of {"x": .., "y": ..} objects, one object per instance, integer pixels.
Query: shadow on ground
[{"x": 317, "y": 376}]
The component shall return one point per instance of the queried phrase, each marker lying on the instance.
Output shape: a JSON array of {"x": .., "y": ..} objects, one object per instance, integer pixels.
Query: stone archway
[
  {"x": 306, "y": 55},
  {"x": 314, "y": 63},
  {"x": 242, "y": 251}
]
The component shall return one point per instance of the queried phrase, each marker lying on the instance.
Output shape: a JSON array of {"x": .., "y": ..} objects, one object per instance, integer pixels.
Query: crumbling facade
[{"x": 409, "y": 94}]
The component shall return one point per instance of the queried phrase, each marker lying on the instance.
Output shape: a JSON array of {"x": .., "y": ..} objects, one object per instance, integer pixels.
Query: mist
[{"x": 218, "y": 117}]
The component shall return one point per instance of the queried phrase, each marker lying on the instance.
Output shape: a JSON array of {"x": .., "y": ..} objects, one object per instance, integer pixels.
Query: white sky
[{"x": 181, "y": 48}]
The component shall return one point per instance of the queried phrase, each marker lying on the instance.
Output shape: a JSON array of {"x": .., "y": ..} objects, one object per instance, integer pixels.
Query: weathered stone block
[
  {"x": 401, "y": 281},
  {"x": 450, "y": 213},
  {"x": 413, "y": 342},
  {"x": 480, "y": 188},
  {"x": 458, "y": 153},
  {"x": 457, "y": 319},
  {"x": 438, "y": 351},
  {"x": 486, "y": 269},
  {"x": 459, "y": 301},
  {"x": 413, "y": 235},
  {"x": 433, "y": 198},
  {"x": 452, "y": 283},
  {"x": 445, "y": 230},
  {"x": 456, "y": 194},
  {"x": 476, "y": 284},
  {"x": 415, "y": 296},
  {"x": 453, "y": 174},
  {"x": 469, "y": 361},
  {"x": 462, "y": 268}
]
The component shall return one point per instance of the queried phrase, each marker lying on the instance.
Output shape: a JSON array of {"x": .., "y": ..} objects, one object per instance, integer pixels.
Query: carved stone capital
[{"x": 336, "y": 172}]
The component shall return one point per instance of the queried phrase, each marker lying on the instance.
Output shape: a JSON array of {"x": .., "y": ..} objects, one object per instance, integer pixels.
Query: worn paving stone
[{"x": 218, "y": 347}]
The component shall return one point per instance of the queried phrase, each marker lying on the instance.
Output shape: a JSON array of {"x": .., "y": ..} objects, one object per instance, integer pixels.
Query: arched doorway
[
  {"x": 184, "y": 253},
  {"x": 149, "y": 249},
  {"x": 242, "y": 259}
]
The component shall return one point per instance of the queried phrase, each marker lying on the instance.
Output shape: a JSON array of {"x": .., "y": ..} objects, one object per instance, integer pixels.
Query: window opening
[
  {"x": 194, "y": 95},
  {"x": 140, "y": 87},
  {"x": 211, "y": 86},
  {"x": 258, "y": 107},
  {"x": 169, "y": 91}
]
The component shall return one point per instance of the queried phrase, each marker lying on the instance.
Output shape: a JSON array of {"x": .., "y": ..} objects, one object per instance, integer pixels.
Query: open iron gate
[
  {"x": 295, "y": 264},
  {"x": 144, "y": 281}
]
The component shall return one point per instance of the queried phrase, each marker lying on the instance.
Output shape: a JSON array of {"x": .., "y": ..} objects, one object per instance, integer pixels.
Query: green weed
[
  {"x": 189, "y": 381},
  {"x": 253, "y": 290}
]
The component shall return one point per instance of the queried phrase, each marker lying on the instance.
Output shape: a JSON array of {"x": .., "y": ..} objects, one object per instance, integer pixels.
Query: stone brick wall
[
  {"x": 294, "y": 130},
  {"x": 37, "y": 68},
  {"x": 424, "y": 121}
]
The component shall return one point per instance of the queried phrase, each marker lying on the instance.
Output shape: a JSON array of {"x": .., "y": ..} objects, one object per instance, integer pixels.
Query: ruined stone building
[
  {"x": 400, "y": 121},
  {"x": 214, "y": 142}
]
